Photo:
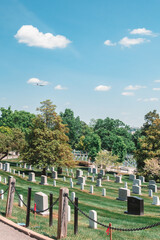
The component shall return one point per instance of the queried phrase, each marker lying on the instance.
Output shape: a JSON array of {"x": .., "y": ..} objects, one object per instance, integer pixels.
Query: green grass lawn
[{"x": 108, "y": 208}]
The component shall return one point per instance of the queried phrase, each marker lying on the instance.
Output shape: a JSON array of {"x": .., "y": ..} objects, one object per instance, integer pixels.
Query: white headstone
[
  {"x": 125, "y": 185},
  {"x": 14, "y": 171},
  {"x": 64, "y": 179},
  {"x": 19, "y": 173},
  {"x": 5, "y": 181},
  {"x": 71, "y": 184},
  {"x": 70, "y": 180},
  {"x": 153, "y": 187},
  {"x": 150, "y": 193},
  {"x": 136, "y": 189},
  {"x": 31, "y": 177},
  {"x": 54, "y": 183},
  {"x": 1, "y": 165},
  {"x": 7, "y": 167},
  {"x": 43, "y": 180},
  {"x": 142, "y": 179},
  {"x": 152, "y": 182},
  {"x": 82, "y": 186},
  {"x": 20, "y": 203},
  {"x": 104, "y": 192},
  {"x": 52, "y": 169},
  {"x": 102, "y": 171},
  {"x": 92, "y": 179},
  {"x": 2, "y": 196},
  {"x": 118, "y": 179},
  {"x": 123, "y": 194},
  {"x": 99, "y": 183},
  {"x": 79, "y": 173},
  {"x": 23, "y": 175},
  {"x": 91, "y": 189},
  {"x": 107, "y": 178},
  {"x": 90, "y": 170},
  {"x": 155, "y": 200},
  {"x": 93, "y": 215},
  {"x": 81, "y": 180},
  {"x": 137, "y": 181},
  {"x": 132, "y": 177},
  {"x": 73, "y": 195},
  {"x": 54, "y": 174},
  {"x": 41, "y": 200}
]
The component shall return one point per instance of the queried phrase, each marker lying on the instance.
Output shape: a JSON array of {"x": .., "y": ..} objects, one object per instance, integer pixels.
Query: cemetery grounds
[{"x": 108, "y": 208}]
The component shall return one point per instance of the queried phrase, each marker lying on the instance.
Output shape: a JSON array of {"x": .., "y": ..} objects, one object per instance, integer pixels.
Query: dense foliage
[
  {"x": 148, "y": 153},
  {"x": 47, "y": 143}
]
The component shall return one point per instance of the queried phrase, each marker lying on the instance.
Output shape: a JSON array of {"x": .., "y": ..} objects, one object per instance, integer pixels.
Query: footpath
[{"x": 12, "y": 231}]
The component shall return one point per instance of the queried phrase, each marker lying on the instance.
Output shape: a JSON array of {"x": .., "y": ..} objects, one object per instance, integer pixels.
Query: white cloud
[
  {"x": 59, "y": 87},
  {"x": 127, "y": 93},
  {"x": 128, "y": 42},
  {"x": 32, "y": 37},
  {"x": 36, "y": 81},
  {"x": 136, "y": 87},
  {"x": 109, "y": 43},
  {"x": 142, "y": 31},
  {"x": 102, "y": 88},
  {"x": 158, "y": 81},
  {"x": 156, "y": 89},
  {"x": 148, "y": 99}
]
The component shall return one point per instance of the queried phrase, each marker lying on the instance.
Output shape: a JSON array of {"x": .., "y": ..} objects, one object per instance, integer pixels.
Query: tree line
[{"x": 48, "y": 138}]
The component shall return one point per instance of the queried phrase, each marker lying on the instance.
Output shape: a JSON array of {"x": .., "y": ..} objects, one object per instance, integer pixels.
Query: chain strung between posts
[
  {"x": 113, "y": 228},
  {"x": 32, "y": 210},
  {"x": 4, "y": 192}
]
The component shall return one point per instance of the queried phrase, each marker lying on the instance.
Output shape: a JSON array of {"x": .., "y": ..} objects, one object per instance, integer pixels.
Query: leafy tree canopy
[
  {"x": 10, "y": 140},
  {"x": 76, "y": 127},
  {"x": 16, "y": 119},
  {"x": 149, "y": 142},
  {"x": 48, "y": 143}
]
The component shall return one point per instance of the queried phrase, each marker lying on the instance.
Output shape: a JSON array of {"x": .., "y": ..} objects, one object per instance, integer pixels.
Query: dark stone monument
[
  {"x": 135, "y": 206},
  {"x": 100, "y": 175},
  {"x": 59, "y": 170}
]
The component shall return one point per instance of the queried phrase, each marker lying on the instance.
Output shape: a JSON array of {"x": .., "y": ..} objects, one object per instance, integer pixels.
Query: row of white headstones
[{"x": 123, "y": 192}]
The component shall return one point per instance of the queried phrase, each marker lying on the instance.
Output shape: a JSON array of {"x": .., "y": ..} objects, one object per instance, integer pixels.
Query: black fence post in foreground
[
  {"x": 28, "y": 207},
  {"x": 76, "y": 217},
  {"x": 51, "y": 210}
]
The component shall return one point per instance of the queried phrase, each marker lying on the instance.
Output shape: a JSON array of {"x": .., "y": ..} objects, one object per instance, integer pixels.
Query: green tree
[
  {"x": 91, "y": 143},
  {"x": 16, "y": 119},
  {"x": 149, "y": 145},
  {"x": 76, "y": 127},
  {"x": 110, "y": 130},
  {"x": 119, "y": 148},
  {"x": 10, "y": 140},
  {"x": 47, "y": 143}
]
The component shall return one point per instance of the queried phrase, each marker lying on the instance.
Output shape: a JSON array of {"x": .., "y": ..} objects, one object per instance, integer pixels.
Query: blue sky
[{"x": 99, "y": 58}]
